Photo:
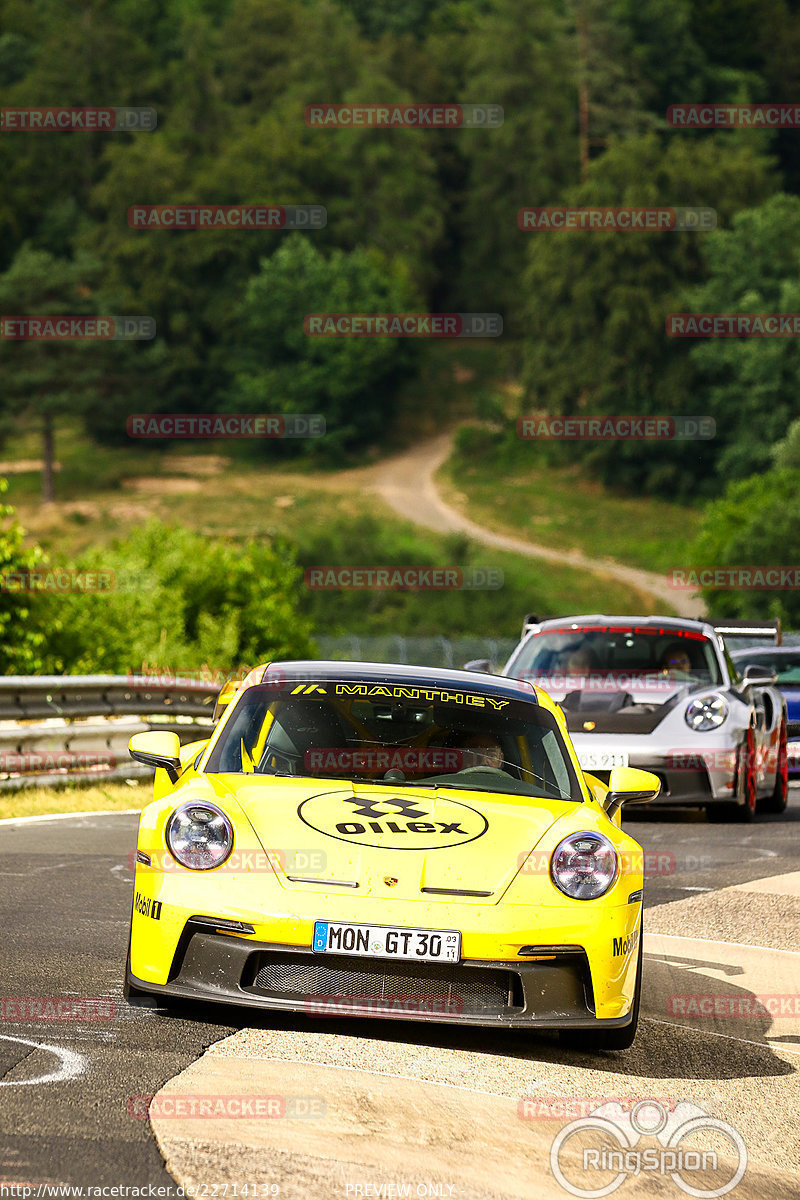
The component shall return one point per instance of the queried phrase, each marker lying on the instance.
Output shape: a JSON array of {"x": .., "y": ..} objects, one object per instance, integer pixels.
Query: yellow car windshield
[{"x": 408, "y": 736}]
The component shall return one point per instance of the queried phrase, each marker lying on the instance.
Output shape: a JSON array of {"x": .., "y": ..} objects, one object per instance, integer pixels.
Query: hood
[
  {"x": 435, "y": 843},
  {"x": 623, "y": 711}
]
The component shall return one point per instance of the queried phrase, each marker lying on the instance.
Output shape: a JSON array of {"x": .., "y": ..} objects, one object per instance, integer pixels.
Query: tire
[
  {"x": 592, "y": 1041},
  {"x": 743, "y": 809},
  {"x": 778, "y": 798}
]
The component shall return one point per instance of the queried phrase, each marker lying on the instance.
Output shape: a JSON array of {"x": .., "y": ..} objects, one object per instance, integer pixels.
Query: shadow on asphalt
[{"x": 663, "y": 1049}]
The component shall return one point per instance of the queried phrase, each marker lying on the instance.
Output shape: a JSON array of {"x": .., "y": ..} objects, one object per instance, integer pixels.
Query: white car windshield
[{"x": 578, "y": 657}]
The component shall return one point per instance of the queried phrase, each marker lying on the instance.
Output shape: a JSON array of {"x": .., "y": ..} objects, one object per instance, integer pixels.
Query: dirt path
[{"x": 407, "y": 483}]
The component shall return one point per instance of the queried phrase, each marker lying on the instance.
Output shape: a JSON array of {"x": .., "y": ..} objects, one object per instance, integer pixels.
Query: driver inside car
[{"x": 484, "y": 750}]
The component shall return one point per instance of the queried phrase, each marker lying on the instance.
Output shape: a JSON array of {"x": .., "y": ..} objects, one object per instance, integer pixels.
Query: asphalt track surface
[{"x": 68, "y": 1088}]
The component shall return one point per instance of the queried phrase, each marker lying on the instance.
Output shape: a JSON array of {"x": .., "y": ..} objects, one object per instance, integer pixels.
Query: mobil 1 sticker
[{"x": 386, "y": 941}]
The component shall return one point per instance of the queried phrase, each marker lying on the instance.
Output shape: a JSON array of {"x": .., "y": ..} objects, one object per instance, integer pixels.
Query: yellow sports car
[{"x": 372, "y": 840}]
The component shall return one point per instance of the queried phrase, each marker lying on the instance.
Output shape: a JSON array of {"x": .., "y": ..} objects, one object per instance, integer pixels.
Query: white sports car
[{"x": 663, "y": 693}]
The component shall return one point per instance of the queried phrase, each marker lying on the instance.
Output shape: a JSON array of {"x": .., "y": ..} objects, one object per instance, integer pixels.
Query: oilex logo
[{"x": 608, "y": 1141}]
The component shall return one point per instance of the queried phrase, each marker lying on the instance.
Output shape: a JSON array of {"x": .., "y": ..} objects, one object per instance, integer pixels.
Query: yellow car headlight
[
  {"x": 584, "y": 866},
  {"x": 199, "y": 836}
]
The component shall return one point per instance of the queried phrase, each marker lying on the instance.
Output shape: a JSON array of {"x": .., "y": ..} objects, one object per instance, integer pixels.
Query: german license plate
[
  {"x": 602, "y": 760},
  {"x": 387, "y": 941}
]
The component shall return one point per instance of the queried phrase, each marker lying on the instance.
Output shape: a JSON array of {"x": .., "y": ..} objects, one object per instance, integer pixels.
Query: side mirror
[
  {"x": 226, "y": 694},
  {"x": 158, "y": 749},
  {"x": 755, "y": 675},
  {"x": 528, "y": 622},
  {"x": 629, "y": 785},
  {"x": 479, "y": 664}
]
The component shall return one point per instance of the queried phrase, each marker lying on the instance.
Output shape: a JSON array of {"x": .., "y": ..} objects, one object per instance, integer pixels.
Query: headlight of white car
[
  {"x": 584, "y": 866},
  {"x": 199, "y": 836},
  {"x": 706, "y": 712}
]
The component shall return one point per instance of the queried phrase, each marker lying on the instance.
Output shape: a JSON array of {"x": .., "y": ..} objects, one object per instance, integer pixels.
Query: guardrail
[{"x": 47, "y": 735}]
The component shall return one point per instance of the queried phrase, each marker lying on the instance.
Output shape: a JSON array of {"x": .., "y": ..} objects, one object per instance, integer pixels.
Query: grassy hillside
[
  {"x": 332, "y": 517},
  {"x": 561, "y": 506}
]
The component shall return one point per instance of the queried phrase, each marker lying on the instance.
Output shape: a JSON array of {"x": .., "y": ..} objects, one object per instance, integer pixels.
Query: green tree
[
  {"x": 46, "y": 378},
  {"x": 596, "y": 304},
  {"x": 520, "y": 56},
  {"x": 180, "y": 602},
  {"x": 752, "y": 385},
  {"x": 351, "y": 381},
  {"x": 22, "y": 618},
  {"x": 755, "y": 524}
]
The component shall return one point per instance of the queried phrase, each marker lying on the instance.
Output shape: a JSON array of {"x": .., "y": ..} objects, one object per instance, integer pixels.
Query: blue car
[{"x": 784, "y": 662}]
